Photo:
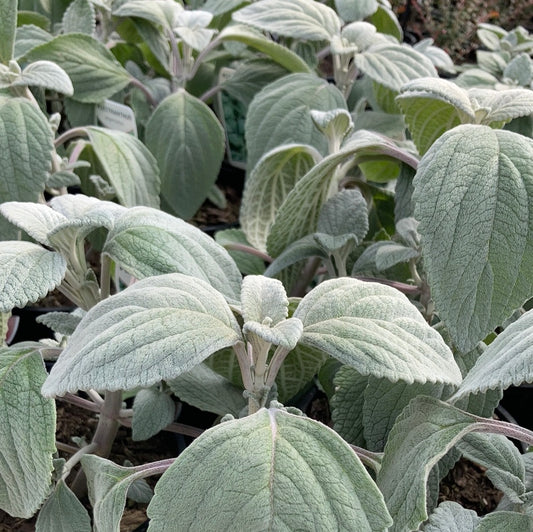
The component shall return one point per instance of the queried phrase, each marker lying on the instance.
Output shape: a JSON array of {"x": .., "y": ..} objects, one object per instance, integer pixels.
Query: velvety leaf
[
  {"x": 347, "y": 405},
  {"x": 385, "y": 400},
  {"x": 187, "y": 140},
  {"x": 268, "y": 185},
  {"x": 263, "y": 298},
  {"x": 299, "y": 19},
  {"x": 424, "y": 432},
  {"x": 149, "y": 242},
  {"x": 36, "y": 219},
  {"x": 158, "y": 12},
  {"x": 207, "y": 390},
  {"x": 47, "y": 75},
  {"x": 247, "y": 263},
  {"x": 154, "y": 330},
  {"x": 8, "y": 25},
  {"x": 439, "y": 57},
  {"x": 432, "y": 106},
  {"x": 152, "y": 412},
  {"x": 314, "y": 189},
  {"x": 393, "y": 65},
  {"x": 63, "y": 512},
  {"x": 296, "y": 251},
  {"x": 108, "y": 485},
  {"x": 60, "y": 322},
  {"x": 27, "y": 432},
  {"x": 505, "y": 522},
  {"x": 503, "y": 106},
  {"x": 27, "y": 273},
  {"x": 386, "y": 21},
  {"x": 92, "y": 68},
  {"x": 519, "y": 70},
  {"x": 376, "y": 330},
  {"x": 25, "y": 153},
  {"x": 345, "y": 214},
  {"x": 285, "y": 333},
  {"x": 350, "y": 11},
  {"x": 505, "y": 362},
  {"x": 389, "y": 253},
  {"x": 129, "y": 165},
  {"x": 28, "y": 37},
  {"x": 279, "y": 461},
  {"x": 500, "y": 457},
  {"x": 472, "y": 192},
  {"x": 278, "y": 53},
  {"x": 79, "y": 17},
  {"x": 452, "y": 517},
  {"x": 280, "y": 114}
]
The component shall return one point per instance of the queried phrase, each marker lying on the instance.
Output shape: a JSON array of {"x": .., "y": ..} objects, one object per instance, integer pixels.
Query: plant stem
[
  {"x": 80, "y": 402},
  {"x": 306, "y": 276},
  {"x": 176, "y": 428},
  {"x": 235, "y": 246},
  {"x": 70, "y": 134},
  {"x": 105, "y": 277},
  {"x": 144, "y": 89},
  {"x": 76, "y": 457},
  {"x": 104, "y": 435}
]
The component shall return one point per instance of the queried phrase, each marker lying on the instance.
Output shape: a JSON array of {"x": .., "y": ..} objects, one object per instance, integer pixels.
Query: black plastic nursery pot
[
  {"x": 518, "y": 402},
  {"x": 29, "y": 330}
]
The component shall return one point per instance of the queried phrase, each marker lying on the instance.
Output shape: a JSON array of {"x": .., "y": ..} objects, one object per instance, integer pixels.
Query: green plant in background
[{"x": 393, "y": 207}]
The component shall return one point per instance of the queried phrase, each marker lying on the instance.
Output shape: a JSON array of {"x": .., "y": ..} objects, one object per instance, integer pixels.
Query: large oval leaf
[
  {"x": 27, "y": 435},
  {"x": 188, "y": 142},
  {"x": 376, "y": 330},
  {"x": 149, "y": 242},
  {"x": 92, "y": 68},
  {"x": 280, "y": 114},
  {"x": 268, "y": 471},
  {"x": 26, "y": 144},
  {"x": 129, "y": 165},
  {"x": 473, "y": 192},
  {"x": 300, "y": 19},
  {"x": 154, "y": 330}
]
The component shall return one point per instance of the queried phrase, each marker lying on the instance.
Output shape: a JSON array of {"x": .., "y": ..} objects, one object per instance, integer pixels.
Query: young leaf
[
  {"x": 268, "y": 185},
  {"x": 152, "y": 412},
  {"x": 268, "y": 471},
  {"x": 505, "y": 362},
  {"x": 452, "y": 517},
  {"x": 280, "y": 114},
  {"x": 299, "y": 19},
  {"x": 142, "y": 234},
  {"x": 503, "y": 106},
  {"x": 205, "y": 389},
  {"x": 27, "y": 273},
  {"x": 263, "y": 298},
  {"x": 343, "y": 217},
  {"x": 376, "y": 330},
  {"x": 79, "y": 17},
  {"x": 8, "y": 25},
  {"x": 187, "y": 140},
  {"x": 25, "y": 152},
  {"x": 26, "y": 462},
  {"x": 92, "y": 68},
  {"x": 154, "y": 330},
  {"x": 63, "y": 512},
  {"x": 505, "y": 522},
  {"x": 129, "y": 165},
  {"x": 472, "y": 194}
]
